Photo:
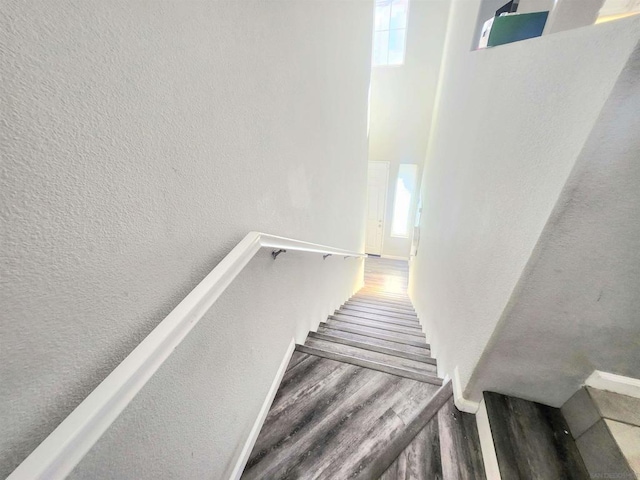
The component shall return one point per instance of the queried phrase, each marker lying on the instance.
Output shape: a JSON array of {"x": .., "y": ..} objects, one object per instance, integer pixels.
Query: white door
[{"x": 378, "y": 181}]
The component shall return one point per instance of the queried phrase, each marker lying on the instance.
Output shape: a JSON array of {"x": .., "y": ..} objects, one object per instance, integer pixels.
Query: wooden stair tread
[
  {"x": 363, "y": 344},
  {"x": 339, "y": 323},
  {"x": 381, "y": 367},
  {"x": 381, "y": 318},
  {"x": 385, "y": 313},
  {"x": 376, "y": 341},
  {"x": 380, "y": 306},
  {"x": 365, "y": 354},
  {"x": 393, "y": 327},
  {"x": 381, "y": 300}
]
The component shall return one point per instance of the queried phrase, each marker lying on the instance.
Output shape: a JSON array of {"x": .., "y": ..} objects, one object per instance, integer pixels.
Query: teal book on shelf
[{"x": 516, "y": 27}]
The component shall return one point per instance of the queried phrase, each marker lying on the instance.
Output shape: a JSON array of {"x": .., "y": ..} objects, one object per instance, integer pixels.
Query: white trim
[
  {"x": 614, "y": 383},
  {"x": 61, "y": 451},
  {"x": 255, "y": 431},
  {"x": 462, "y": 403},
  {"x": 395, "y": 257},
  {"x": 489, "y": 456}
]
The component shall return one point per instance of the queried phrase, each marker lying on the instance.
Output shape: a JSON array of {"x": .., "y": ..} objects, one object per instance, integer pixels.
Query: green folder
[{"x": 513, "y": 28}]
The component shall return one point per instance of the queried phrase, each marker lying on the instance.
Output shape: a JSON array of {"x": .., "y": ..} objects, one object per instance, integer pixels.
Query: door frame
[{"x": 386, "y": 195}]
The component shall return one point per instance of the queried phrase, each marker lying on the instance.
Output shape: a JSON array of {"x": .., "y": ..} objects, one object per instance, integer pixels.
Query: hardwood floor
[
  {"x": 532, "y": 440},
  {"x": 353, "y": 391}
]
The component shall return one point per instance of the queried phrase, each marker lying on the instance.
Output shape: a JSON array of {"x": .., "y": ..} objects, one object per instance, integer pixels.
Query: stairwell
[{"x": 361, "y": 398}]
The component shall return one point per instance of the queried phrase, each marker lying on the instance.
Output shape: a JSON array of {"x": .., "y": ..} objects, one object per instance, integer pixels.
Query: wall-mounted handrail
[{"x": 63, "y": 449}]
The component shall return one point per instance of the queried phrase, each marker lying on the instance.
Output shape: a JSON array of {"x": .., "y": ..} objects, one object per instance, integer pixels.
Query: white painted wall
[
  {"x": 402, "y": 104},
  {"x": 575, "y": 308},
  {"x": 140, "y": 142},
  {"x": 510, "y": 123}
]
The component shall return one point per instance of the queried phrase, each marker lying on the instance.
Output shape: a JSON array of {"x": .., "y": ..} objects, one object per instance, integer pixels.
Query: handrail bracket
[{"x": 275, "y": 253}]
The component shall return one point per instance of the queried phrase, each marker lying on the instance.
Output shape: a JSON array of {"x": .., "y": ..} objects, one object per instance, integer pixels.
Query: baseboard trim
[
  {"x": 614, "y": 383},
  {"x": 262, "y": 415},
  {"x": 394, "y": 257},
  {"x": 489, "y": 456},
  {"x": 462, "y": 403}
]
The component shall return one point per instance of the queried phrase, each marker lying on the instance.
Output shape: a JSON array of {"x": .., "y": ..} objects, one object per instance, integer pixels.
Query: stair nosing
[
  {"x": 372, "y": 365},
  {"x": 374, "y": 348},
  {"x": 358, "y": 302}
]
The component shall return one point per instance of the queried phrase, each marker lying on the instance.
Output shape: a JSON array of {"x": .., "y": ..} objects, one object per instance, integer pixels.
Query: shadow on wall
[{"x": 575, "y": 308}]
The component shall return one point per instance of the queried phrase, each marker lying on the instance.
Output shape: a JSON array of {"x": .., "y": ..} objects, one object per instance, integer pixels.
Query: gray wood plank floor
[
  {"x": 532, "y": 440},
  {"x": 364, "y": 378},
  {"x": 448, "y": 447}
]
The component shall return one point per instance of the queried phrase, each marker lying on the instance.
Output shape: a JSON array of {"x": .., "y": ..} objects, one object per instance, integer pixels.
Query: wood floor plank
[
  {"x": 293, "y": 409},
  {"x": 532, "y": 440},
  {"x": 375, "y": 465},
  {"x": 381, "y": 324},
  {"x": 315, "y": 438},
  {"x": 365, "y": 354},
  {"x": 352, "y": 323},
  {"x": 368, "y": 436},
  {"x": 460, "y": 450},
  {"x": 420, "y": 460},
  {"x": 424, "y": 358},
  {"x": 276, "y": 461},
  {"x": 418, "y": 350}
]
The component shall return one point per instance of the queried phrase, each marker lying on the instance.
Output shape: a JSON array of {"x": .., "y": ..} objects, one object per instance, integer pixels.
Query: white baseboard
[
  {"x": 486, "y": 443},
  {"x": 614, "y": 383},
  {"x": 394, "y": 257},
  {"x": 462, "y": 403},
  {"x": 262, "y": 415}
]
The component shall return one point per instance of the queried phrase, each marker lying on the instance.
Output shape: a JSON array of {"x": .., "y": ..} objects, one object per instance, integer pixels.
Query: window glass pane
[
  {"x": 398, "y": 14},
  {"x": 405, "y": 186},
  {"x": 396, "y": 47},
  {"x": 383, "y": 12},
  {"x": 380, "y": 47}
]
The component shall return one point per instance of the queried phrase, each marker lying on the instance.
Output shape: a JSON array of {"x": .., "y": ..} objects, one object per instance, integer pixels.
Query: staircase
[
  {"x": 380, "y": 332},
  {"x": 361, "y": 398}
]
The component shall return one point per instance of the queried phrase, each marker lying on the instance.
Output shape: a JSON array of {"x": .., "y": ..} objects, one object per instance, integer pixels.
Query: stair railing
[{"x": 63, "y": 449}]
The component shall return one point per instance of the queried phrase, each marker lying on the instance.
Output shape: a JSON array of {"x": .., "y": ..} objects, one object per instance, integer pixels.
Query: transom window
[{"x": 390, "y": 32}]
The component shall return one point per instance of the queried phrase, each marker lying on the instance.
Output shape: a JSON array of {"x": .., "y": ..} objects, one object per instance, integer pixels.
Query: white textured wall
[
  {"x": 140, "y": 142},
  {"x": 576, "y": 306},
  {"x": 402, "y": 104},
  {"x": 510, "y": 124}
]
